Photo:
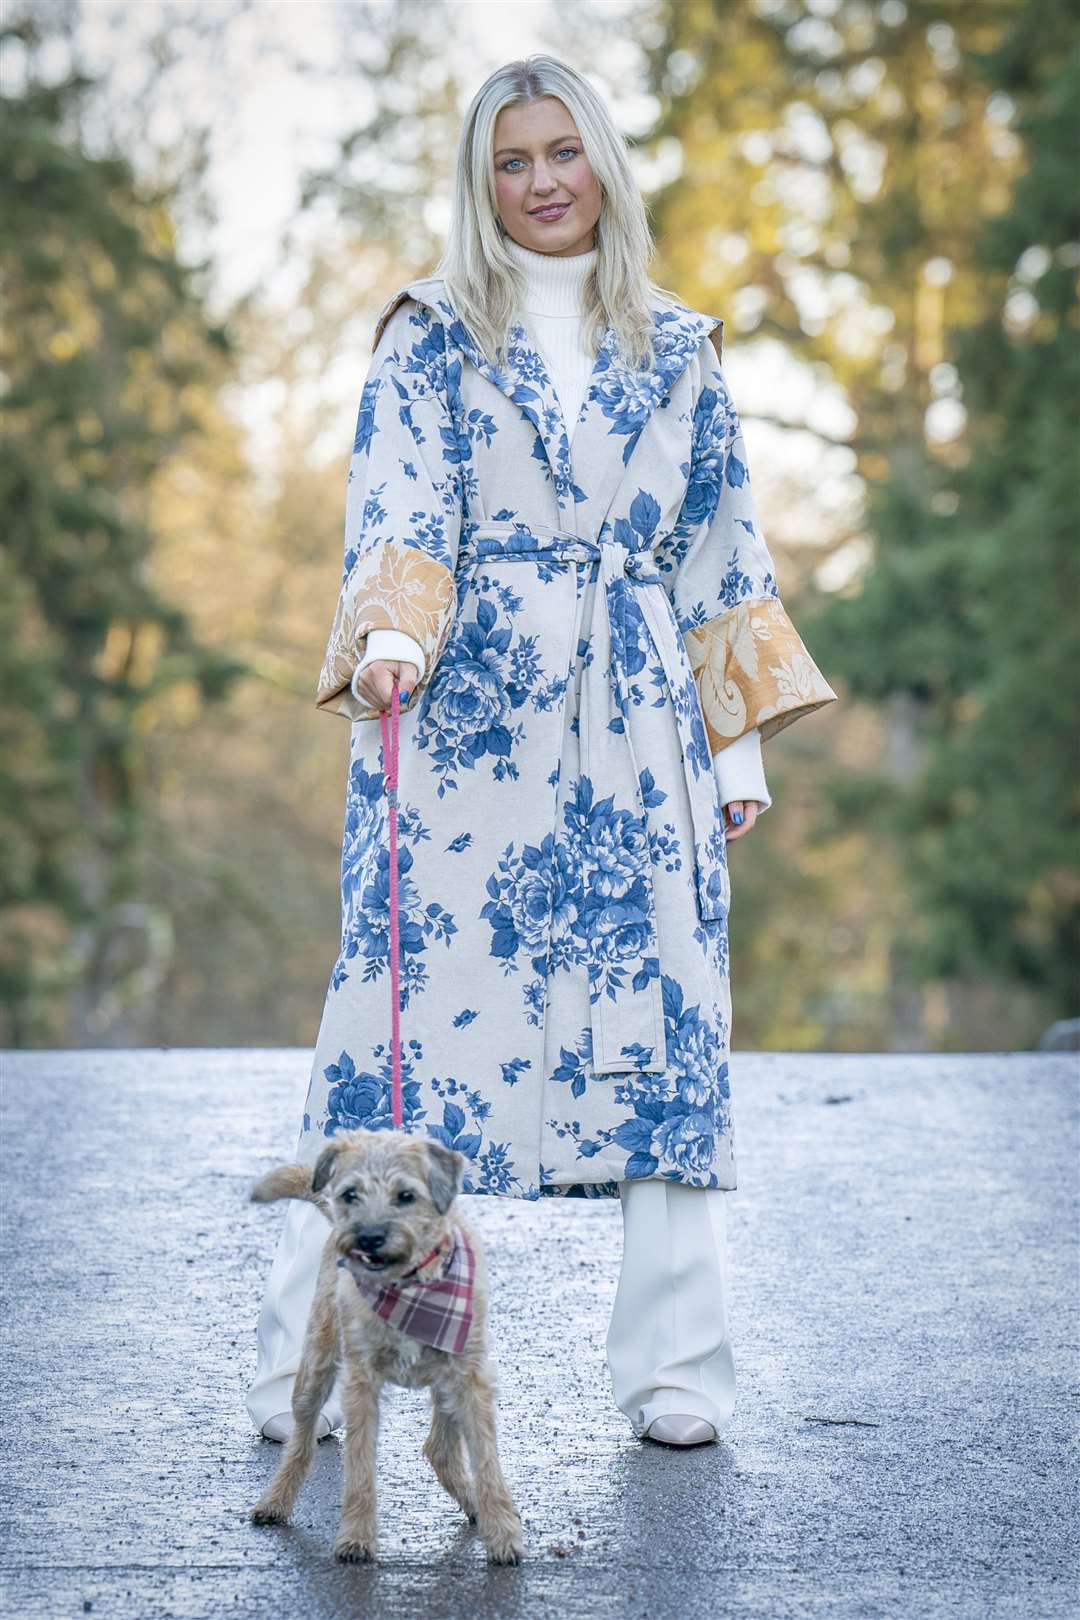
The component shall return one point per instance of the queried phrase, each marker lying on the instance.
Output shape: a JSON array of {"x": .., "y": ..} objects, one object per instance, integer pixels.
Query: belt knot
[
  {"x": 640, "y": 566},
  {"x": 508, "y": 542}
]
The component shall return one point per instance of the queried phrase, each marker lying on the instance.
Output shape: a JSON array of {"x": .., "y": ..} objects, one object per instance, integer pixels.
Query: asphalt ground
[{"x": 904, "y": 1314}]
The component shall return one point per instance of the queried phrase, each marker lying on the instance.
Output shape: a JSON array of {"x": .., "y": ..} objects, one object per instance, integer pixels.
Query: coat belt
[{"x": 626, "y": 994}]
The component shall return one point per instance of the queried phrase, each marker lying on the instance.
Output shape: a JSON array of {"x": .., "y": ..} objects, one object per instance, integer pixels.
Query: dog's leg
[
  {"x": 497, "y": 1517},
  {"x": 314, "y": 1381},
  {"x": 355, "y": 1541},
  {"x": 445, "y": 1451}
]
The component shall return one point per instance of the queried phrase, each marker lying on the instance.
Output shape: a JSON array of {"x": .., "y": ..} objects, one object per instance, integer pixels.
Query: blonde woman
[{"x": 550, "y": 538}]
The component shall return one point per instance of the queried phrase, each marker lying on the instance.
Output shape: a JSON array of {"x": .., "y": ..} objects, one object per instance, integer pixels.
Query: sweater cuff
[
  {"x": 740, "y": 770},
  {"x": 390, "y": 644}
]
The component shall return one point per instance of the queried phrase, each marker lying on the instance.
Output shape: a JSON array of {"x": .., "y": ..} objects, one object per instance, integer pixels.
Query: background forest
[{"x": 204, "y": 205}]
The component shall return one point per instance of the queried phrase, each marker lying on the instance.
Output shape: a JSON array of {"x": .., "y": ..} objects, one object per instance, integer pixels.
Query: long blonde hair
[{"x": 484, "y": 282}]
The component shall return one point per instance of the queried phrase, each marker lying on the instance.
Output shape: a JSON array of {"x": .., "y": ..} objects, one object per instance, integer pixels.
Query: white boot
[
  {"x": 676, "y": 1429},
  {"x": 282, "y": 1424}
]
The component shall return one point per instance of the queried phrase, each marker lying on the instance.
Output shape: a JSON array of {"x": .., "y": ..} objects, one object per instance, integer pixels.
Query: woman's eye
[
  {"x": 405, "y": 1196},
  {"x": 573, "y": 151}
]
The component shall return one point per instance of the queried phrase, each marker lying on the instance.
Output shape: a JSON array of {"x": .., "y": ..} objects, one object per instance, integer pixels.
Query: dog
[{"x": 398, "y": 1257}]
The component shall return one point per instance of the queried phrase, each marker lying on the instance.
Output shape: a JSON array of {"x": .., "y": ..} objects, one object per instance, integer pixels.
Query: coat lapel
[
  {"x": 619, "y": 405},
  {"x": 526, "y": 382},
  {"x": 619, "y": 402}
]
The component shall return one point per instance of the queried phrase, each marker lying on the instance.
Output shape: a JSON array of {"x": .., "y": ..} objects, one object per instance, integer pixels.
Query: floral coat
[{"x": 599, "y": 617}]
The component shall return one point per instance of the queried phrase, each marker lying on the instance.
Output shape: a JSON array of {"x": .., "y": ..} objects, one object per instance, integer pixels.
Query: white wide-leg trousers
[
  {"x": 283, "y": 1318},
  {"x": 668, "y": 1343},
  {"x": 668, "y": 1346}
]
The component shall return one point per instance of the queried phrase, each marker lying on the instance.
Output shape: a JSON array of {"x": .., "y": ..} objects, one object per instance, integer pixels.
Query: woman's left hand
[{"x": 749, "y": 809}]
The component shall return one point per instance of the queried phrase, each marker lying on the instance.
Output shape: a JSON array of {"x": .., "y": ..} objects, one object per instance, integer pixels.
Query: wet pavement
[{"x": 904, "y": 1314}]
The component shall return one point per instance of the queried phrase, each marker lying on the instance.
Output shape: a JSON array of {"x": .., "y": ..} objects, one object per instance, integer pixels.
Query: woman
[{"x": 550, "y": 538}]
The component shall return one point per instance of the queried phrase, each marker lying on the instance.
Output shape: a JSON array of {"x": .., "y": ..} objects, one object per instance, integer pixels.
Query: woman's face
[{"x": 540, "y": 161}]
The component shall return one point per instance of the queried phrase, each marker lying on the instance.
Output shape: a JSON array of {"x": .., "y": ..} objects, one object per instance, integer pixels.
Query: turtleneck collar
[{"x": 553, "y": 281}]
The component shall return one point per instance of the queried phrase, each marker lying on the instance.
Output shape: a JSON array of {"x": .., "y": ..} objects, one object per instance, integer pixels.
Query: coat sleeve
[
  {"x": 402, "y": 508},
  {"x": 750, "y": 666}
]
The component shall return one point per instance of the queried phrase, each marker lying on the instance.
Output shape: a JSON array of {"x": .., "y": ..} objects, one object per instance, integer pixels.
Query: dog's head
[{"x": 388, "y": 1196}]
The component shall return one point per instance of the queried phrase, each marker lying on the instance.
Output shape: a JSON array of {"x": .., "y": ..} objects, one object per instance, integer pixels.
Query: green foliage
[
  {"x": 108, "y": 360},
  {"x": 974, "y": 612},
  {"x": 129, "y": 852},
  {"x": 838, "y": 163}
]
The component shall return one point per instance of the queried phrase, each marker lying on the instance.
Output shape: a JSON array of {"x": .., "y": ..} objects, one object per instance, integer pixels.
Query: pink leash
[{"x": 390, "y": 771}]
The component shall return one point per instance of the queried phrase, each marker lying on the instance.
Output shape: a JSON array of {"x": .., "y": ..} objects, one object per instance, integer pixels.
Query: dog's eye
[
  {"x": 348, "y": 1196},
  {"x": 406, "y": 1196}
]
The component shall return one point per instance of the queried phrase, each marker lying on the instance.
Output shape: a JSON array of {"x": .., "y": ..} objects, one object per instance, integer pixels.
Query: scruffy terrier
[{"x": 401, "y": 1296}]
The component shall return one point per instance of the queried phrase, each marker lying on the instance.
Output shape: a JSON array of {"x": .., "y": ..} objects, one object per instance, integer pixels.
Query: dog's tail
[{"x": 287, "y": 1181}]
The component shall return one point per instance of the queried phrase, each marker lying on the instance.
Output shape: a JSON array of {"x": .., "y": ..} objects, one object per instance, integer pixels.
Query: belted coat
[{"x": 599, "y": 615}]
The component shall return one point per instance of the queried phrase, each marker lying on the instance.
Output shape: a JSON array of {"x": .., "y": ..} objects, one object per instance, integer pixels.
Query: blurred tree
[
  {"x": 820, "y": 175},
  {"x": 256, "y": 968},
  {"x": 237, "y": 805},
  {"x": 109, "y": 364},
  {"x": 251, "y": 794},
  {"x": 395, "y": 161},
  {"x": 832, "y": 169},
  {"x": 970, "y": 610}
]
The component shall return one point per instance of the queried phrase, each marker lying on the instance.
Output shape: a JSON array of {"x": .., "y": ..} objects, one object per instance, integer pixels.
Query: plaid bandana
[{"x": 436, "y": 1308}]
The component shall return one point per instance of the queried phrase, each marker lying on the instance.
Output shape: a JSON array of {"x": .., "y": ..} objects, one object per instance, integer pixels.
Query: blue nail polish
[
  {"x": 405, "y": 696},
  {"x": 737, "y": 818}
]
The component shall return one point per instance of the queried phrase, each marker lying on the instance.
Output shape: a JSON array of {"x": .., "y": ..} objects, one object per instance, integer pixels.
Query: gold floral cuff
[
  {"x": 752, "y": 669},
  {"x": 392, "y": 587}
]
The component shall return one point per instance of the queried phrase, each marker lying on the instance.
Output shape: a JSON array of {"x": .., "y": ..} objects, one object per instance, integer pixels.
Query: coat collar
[{"x": 618, "y": 402}]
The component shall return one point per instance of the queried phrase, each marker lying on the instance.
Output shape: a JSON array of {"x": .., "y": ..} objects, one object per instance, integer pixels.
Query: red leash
[{"x": 390, "y": 772}]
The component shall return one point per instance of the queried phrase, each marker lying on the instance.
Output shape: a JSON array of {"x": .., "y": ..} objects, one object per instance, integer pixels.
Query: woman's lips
[{"x": 556, "y": 211}]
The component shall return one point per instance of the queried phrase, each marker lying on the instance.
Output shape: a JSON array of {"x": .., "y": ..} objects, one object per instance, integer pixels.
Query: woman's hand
[
  {"x": 375, "y": 683},
  {"x": 748, "y": 808}
]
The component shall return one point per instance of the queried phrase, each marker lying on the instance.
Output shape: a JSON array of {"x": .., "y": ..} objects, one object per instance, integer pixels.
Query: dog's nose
[{"x": 371, "y": 1239}]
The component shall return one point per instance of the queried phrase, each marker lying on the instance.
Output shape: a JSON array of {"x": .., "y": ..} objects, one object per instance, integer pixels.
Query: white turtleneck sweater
[{"x": 551, "y": 314}]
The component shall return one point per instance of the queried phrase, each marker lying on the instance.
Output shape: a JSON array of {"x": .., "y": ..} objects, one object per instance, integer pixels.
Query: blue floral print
[
  {"x": 487, "y": 674},
  {"x": 365, "y": 892},
  {"x": 672, "y": 1130},
  {"x": 363, "y": 1099},
  {"x": 562, "y": 864},
  {"x": 582, "y": 902}
]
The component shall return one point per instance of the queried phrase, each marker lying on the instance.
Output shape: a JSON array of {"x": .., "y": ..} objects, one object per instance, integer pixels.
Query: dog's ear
[
  {"x": 324, "y": 1166},
  {"x": 445, "y": 1172}
]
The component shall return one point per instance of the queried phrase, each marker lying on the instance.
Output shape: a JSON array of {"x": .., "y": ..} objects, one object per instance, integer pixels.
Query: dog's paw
[
  {"x": 268, "y": 1513},
  {"x": 510, "y": 1552},
  {"x": 353, "y": 1552},
  {"x": 505, "y": 1545}
]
